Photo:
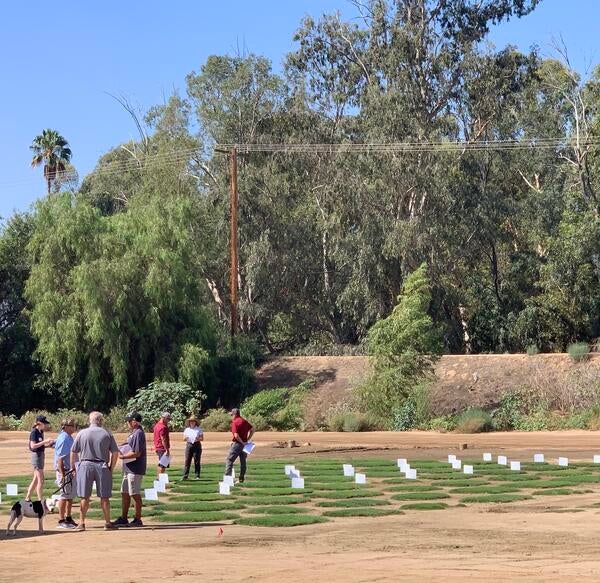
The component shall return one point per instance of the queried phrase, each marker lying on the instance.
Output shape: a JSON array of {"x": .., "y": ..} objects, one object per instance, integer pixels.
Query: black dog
[{"x": 28, "y": 509}]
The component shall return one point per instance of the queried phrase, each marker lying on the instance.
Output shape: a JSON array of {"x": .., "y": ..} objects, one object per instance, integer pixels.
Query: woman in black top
[{"x": 37, "y": 446}]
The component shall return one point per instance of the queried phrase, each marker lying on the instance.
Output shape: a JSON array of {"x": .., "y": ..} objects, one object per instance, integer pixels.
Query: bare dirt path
[{"x": 527, "y": 542}]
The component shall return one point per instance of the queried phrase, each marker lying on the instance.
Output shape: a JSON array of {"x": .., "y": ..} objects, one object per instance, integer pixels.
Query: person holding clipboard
[{"x": 193, "y": 437}]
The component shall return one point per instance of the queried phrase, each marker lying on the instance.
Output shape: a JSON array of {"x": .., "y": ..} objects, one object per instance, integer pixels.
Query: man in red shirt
[
  {"x": 241, "y": 431},
  {"x": 162, "y": 441}
]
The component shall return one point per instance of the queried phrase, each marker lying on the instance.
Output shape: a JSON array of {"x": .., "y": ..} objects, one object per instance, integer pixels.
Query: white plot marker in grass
[
  {"x": 468, "y": 469},
  {"x": 451, "y": 458},
  {"x": 360, "y": 478},
  {"x": 289, "y": 469},
  {"x": 597, "y": 459},
  {"x": 401, "y": 461},
  {"x": 12, "y": 490},
  {"x": 515, "y": 466},
  {"x": 563, "y": 461},
  {"x": 411, "y": 474},
  {"x": 160, "y": 486},
  {"x": 538, "y": 458},
  {"x": 502, "y": 460},
  {"x": 150, "y": 494},
  {"x": 164, "y": 478},
  {"x": 487, "y": 457},
  {"x": 224, "y": 489},
  {"x": 348, "y": 470},
  {"x": 229, "y": 480},
  {"x": 456, "y": 465},
  {"x": 298, "y": 483}
]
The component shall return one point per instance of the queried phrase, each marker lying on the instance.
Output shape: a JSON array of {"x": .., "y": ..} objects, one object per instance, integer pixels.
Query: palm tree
[{"x": 51, "y": 150}]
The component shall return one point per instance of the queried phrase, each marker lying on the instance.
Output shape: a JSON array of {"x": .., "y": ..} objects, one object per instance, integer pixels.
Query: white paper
[
  {"x": 411, "y": 475},
  {"x": 502, "y": 460},
  {"x": 487, "y": 457},
  {"x": 298, "y": 483},
  {"x": 563, "y": 461},
  {"x": 164, "y": 478},
  {"x": 468, "y": 469},
  {"x": 348, "y": 470},
  {"x": 165, "y": 460},
  {"x": 12, "y": 490},
  {"x": 401, "y": 462},
  {"x": 150, "y": 494},
  {"x": 192, "y": 434},
  {"x": 249, "y": 447},
  {"x": 229, "y": 480},
  {"x": 360, "y": 478},
  {"x": 451, "y": 458},
  {"x": 160, "y": 486},
  {"x": 597, "y": 459},
  {"x": 456, "y": 465},
  {"x": 125, "y": 449},
  {"x": 515, "y": 466},
  {"x": 538, "y": 458},
  {"x": 224, "y": 489}
]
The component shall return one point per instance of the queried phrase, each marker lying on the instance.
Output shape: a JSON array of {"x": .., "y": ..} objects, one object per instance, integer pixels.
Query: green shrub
[
  {"x": 114, "y": 420},
  {"x": 354, "y": 422},
  {"x": 579, "y": 351},
  {"x": 177, "y": 398},
  {"x": 444, "y": 423},
  {"x": 473, "y": 421},
  {"x": 27, "y": 420},
  {"x": 9, "y": 422},
  {"x": 532, "y": 350},
  {"x": 539, "y": 420},
  {"x": 258, "y": 422},
  {"x": 216, "y": 420},
  {"x": 593, "y": 421},
  {"x": 266, "y": 403},
  {"x": 507, "y": 415}
]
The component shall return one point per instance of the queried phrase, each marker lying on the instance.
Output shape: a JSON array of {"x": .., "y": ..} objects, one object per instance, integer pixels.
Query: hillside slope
[{"x": 461, "y": 380}]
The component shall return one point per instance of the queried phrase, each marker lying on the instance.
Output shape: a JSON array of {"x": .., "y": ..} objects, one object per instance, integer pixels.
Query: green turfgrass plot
[
  {"x": 421, "y": 496},
  {"x": 425, "y": 506},
  {"x": 369, "y": 511},
  {"x": 197, "y": 516},
  {"x": 352, "y": 503},
  {"x": 278, "y": 510},
  {"x": 281, "y": 520},
  {"x": 494, "y": 498}
]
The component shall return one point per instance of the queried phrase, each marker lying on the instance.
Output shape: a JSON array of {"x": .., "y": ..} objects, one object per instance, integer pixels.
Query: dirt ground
[{"x": 531, "y": 541}]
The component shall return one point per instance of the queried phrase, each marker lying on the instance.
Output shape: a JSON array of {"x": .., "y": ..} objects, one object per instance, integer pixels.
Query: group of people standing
[{"x": 90, "y": 458}]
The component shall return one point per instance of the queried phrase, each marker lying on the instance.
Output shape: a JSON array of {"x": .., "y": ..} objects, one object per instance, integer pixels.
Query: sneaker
[
  {"x": 80, "y": 528},
  {"x": 69, "y": 520},
  {"x": 120, "y": 522},
  {"x": 63, "y": 524},
  {"x": 136, "y": 522},
  {"x": 110, "y": 526},
  {"x": 197, "y": 478}
]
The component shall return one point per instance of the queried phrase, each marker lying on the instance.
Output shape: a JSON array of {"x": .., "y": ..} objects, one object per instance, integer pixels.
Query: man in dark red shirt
[
  {"x": 241, "y": 431},
  {"x": 162, "y": 441}
]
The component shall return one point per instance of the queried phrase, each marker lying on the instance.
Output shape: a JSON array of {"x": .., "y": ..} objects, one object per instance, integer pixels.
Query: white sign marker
[
  {"x": 160, "y": 486},
  {"x": 298, "y": 483},
  {"x": 515, "y": 466},
  {"x": 487, "y": 457},
  {"x": 451, "y": 458},
  {"x": 411, "y": 474},
  {"x": 228, "y": 480},
  {"x": 538, "y": 458},
  {"x": 468, "y": 469},
  {"x": 502, "y": 461},
  {"x": 348, "y": 470},
  {"x": 164, "y": 478},
  {"x": 12, "y": 490},
  {"x": 224, "y": 489},
  {"x": 360, "y": 478},
  {"x": 597, "y": 459},
  {"x": 401, "y": 462},
  {"x": 563, "y": 461},
  {"x": 289, "y": 469},
  {"x": 456, "y": 465},
  {"x": 150, "y": 494}
]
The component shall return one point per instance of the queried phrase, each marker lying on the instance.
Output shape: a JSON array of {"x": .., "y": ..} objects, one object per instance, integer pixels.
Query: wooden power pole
[{"x": 233, "y": 241}]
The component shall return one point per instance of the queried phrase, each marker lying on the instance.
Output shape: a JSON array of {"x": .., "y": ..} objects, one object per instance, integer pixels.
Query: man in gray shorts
[
  {"x": 133, "y": 454},
  {"x": 98, "y": 454}
]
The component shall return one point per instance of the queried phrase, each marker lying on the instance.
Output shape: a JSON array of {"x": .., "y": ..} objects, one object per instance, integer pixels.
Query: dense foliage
[{"x": 106, "y": 287}]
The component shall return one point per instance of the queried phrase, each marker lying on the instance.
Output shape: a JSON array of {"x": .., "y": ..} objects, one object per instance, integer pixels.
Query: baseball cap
[
  {"x": 42, "y": 419},
  {"x": 166, "y": 415},
  {"x": 134, "y": 417}
]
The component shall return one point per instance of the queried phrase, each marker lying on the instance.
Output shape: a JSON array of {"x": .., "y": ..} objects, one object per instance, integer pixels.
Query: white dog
[{"x": 29, "y": 509}]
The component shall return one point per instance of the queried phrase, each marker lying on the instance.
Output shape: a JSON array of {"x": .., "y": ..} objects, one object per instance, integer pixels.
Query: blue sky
[{"x": 60, "y": 61}]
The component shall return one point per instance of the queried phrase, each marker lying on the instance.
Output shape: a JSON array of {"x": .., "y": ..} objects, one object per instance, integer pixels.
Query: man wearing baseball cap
[
  {"x": 241, "y": 431},
  {"x": 133, "y": 454},
  {"x": 162, "y": 441}
]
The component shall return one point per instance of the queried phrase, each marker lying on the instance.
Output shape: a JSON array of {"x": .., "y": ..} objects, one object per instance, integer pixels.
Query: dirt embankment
[{"x": 461, "y": 380}]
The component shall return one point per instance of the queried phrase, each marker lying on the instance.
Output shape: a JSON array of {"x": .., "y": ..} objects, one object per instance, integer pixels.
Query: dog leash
[{"x": 67, "y": 480}]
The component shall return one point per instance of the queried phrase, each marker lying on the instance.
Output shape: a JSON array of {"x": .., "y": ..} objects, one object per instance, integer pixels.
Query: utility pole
[{"x": 233, "y": 240}]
